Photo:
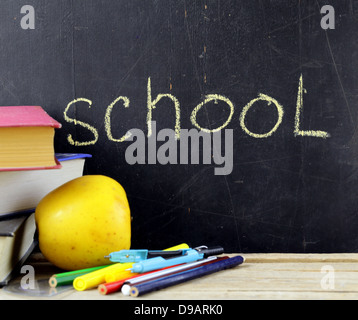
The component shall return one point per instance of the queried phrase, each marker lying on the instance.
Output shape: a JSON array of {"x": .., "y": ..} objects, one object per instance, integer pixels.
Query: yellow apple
[{"x": 82, "y": 221}]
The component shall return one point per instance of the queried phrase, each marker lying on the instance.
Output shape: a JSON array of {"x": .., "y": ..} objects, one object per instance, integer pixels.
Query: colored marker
[
  {"x": 118, "y": 275},
  {"x": 162, "y": 273},
  {"x": 97, "y": 277},
  {"x": 65, "y": 278},
  {"x": 178, "y": 247},
  {"x": 171, "y": 280}
]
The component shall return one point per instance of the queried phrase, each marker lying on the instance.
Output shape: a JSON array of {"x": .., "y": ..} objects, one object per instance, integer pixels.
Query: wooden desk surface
[{"x": 261, "y": 276}]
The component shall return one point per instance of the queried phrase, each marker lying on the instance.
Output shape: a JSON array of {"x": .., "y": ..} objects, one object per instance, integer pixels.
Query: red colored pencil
[{"x": 110, "y": 287}]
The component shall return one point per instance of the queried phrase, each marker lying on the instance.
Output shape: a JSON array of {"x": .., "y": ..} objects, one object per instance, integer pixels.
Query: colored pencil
[
  {"x": 110, "y": 287},
  {"x": 160, "y": 274},
  {"x": 65, "y": 278},
  {"x": 146, "y": 287}
]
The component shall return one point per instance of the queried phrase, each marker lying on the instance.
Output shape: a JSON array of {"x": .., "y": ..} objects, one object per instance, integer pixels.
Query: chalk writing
[
  {"x": 107, "y": 120},
  {"x": 270, "y": 100},
  {"x": 299, "y": 108},
  {"x": 151, "y": 105},
  {"x": 80, "y": 123},
  {"x": 209, "y": 98}
]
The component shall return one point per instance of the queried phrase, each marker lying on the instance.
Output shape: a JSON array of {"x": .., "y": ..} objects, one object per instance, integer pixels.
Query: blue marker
[{"x": 159, "y": 262}]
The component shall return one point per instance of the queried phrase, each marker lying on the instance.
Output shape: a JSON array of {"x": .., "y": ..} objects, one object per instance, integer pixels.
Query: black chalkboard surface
[{"x": 268, "y": 88}]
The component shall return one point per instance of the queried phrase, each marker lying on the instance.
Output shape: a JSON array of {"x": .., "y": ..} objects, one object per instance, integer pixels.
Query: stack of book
[{"x": 29, "y": 170}]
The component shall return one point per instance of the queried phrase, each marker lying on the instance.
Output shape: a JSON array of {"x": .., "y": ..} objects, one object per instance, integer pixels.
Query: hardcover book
[
  {"x": 17, "y": 241},
  {"x": 22, "y": 190},
  {"x": 26, "y": 138}
]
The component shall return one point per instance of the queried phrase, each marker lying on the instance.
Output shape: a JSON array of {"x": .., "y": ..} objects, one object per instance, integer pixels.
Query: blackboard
[{"x": 279, "y": 76}]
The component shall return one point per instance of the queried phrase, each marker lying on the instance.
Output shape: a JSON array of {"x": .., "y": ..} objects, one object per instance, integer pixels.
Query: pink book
[
  {"x": 26, "y": 116},
  {"x": 26, "y": 139}
]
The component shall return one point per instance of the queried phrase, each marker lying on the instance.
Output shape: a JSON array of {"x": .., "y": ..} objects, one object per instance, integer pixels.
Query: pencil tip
[{"x": 102, "y": 289}]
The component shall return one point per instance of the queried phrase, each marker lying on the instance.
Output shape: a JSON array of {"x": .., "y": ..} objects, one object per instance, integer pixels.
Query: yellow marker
[
  {"x": 118, "y": 274},
  {"x": 178, "y": 247},
  {"x": 97, "y": 277}
]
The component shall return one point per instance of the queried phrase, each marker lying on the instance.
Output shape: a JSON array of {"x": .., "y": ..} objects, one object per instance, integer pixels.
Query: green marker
[{"x": 66, "y": 278}]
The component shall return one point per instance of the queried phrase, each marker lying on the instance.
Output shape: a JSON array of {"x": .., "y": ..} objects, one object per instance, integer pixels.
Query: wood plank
[
  {"x": 303, "y": 257},
  {"x": 261, "y": 276}
]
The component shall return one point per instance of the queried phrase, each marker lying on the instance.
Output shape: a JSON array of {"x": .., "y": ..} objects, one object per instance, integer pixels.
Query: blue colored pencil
[{"x": 172, "y": 280}]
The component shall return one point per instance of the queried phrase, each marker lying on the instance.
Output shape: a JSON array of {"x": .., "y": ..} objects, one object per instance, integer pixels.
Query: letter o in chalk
[
  {"x": 270, "y": 100},
  {"x": 209, "y": 98}
]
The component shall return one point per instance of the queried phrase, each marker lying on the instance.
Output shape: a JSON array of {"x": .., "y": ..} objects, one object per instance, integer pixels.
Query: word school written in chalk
[
  {"x": 168, "y": 151},
  {"x": 151, "y": 104}
]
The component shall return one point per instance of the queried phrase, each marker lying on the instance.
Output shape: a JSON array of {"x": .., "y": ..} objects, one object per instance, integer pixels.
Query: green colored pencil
[{"x": 65, "y": 278}]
